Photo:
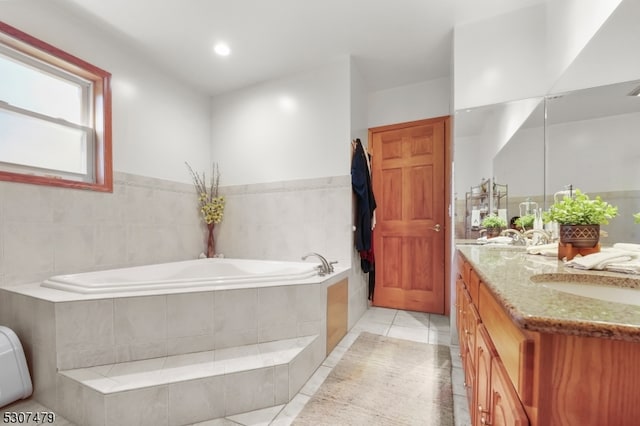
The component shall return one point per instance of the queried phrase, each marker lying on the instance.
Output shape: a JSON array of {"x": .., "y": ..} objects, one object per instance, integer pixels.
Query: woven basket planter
[{"x": 580, "y": 236}]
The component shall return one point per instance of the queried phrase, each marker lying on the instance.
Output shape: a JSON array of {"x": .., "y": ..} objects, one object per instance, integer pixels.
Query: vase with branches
[{"x": 211, "y": 203}]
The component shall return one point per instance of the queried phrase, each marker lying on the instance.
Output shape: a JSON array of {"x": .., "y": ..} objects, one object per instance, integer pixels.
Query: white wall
[
  {"x": 296, "y": 127},
  {"x": 285, "y": 166},
  {"x": 158, "y": 123},
  {"x": 522, "y": 53},
  {"x": 501, "y": 58},
  {"x": 427, "y": 99},
  {"x": 570, "y": 26},
  {"x": 152, "y": 215},
  {"x": 610, "y": 56},
  {"x": 358, "y": 101}
]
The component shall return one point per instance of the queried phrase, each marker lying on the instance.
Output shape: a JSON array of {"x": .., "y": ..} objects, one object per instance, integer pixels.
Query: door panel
[{"x": 408, "y": 169}]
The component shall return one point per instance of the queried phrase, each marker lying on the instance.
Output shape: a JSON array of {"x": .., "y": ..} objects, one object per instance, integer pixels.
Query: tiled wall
[
  {"x": 48, "y": 231},
  {"x": 285, "y": 220}
]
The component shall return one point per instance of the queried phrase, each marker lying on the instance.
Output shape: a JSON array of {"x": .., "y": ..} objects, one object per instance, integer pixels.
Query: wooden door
[{"x": 408, "y": 169}]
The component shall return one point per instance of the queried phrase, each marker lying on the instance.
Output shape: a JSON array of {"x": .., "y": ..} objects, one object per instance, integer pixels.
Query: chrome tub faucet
[{"x": 325, "y": 268}]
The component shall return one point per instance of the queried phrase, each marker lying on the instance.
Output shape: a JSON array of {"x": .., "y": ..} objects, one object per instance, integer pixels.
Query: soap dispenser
[{"x": 537, "y": 224}]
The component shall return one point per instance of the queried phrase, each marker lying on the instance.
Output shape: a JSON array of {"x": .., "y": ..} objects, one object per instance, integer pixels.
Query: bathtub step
[{"x": 189, "y": 388}]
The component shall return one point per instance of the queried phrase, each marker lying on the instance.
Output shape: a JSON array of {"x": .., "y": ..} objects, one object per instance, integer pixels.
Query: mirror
[
  {"x": 505, "y": 144},
  {"x": 589, "y": 141},
  {"x": 592, "y": 144}
]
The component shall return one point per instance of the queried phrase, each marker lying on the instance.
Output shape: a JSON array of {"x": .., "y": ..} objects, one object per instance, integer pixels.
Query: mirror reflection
[
  {"x": 592, "y": 144},
  {"x": 589, "y": 140},
  {"x": 499, "y": 162}
]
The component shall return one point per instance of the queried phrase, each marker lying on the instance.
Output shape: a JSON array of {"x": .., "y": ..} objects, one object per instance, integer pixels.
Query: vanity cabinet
[
  {"x": 492, "y": 396},
  {"x": 568, "y": 374}
]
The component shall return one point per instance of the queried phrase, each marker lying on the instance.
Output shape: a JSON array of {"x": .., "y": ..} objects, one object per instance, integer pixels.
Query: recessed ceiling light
[{"x": 222, "y": 49}]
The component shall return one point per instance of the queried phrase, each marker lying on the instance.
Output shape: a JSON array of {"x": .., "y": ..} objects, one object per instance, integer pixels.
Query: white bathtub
[{"x": 222, "y": 273}]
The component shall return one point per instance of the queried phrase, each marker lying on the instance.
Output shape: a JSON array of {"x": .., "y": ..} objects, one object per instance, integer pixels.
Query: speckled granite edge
[{"x": 512, "y": 278}]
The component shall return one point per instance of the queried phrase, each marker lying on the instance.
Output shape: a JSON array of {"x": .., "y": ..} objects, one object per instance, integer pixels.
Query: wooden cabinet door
[
  {"x": 469, "y": 382},
  {"x": 472, "y": 320},
  {"x": 485, "y": 353},
  {"x": 505, "y": 408}
]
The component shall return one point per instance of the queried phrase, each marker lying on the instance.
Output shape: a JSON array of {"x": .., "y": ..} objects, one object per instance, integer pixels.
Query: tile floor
[{"x": 416, "y": 326}]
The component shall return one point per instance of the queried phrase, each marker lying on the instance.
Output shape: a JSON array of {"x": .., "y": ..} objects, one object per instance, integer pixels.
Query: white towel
[
  {"x": 500, "y": 240},
  {"x": 629, "y": 267},
  {"x": 600, "y": 260},
  {"x": 627, "y": 246},
  {"x": 544, "y": 249}
]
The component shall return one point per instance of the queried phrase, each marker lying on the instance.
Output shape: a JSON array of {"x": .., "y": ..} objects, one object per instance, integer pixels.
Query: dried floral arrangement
[{"x": 211, "y": 203}]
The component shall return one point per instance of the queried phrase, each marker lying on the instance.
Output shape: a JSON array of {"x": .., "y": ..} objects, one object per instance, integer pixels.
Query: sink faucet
[
  {"x": 517, "y": 237},
  {"x": 326, "y": 267},
  {"x": 545, "y": 237}
]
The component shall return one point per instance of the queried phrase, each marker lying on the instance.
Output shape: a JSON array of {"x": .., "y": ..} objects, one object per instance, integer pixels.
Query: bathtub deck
[{"x": 219, "y": 383}]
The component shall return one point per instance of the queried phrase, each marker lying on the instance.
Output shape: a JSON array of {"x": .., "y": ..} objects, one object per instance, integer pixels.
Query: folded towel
[
  {"x": 600, "y": 260},
  {"x": 544, "y": 249},
  {"x": 629, "y": 267},
  {"x": 627, "y": 246},
  {"x": 500, "y": 240}
]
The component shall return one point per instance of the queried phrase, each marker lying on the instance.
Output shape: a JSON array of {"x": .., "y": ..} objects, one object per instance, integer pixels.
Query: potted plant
[
  {"x": 494, "y": 225},
  {"x": 525, "y": 222},
  {"x": 580, "y": 218}
]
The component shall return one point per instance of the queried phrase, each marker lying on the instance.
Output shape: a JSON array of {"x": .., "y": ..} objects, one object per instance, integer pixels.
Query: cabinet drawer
[{"x": 514, "y": 347}]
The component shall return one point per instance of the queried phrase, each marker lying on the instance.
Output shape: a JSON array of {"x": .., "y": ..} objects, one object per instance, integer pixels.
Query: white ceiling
[{"x": 393, "y": 43}]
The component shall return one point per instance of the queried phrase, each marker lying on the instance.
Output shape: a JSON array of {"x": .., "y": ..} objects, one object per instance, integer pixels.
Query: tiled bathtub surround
[
  {"x": 50, "y": 231},
  {"x": 66, "y": 335},
  {"x": 285, "y": 220}
]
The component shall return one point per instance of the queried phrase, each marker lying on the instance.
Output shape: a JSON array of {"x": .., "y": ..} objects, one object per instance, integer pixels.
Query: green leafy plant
[
  {"x": 525, "y": 222},
  {"x": 636, "y": 217},
  {"x": 494, "y": 221},
  {"x": 580, "y": 210}
]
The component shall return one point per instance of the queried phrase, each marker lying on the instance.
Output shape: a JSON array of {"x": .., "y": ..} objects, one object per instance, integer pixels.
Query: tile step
[
  {"x": 131, "y": 375},
  {"x": 188, "y": 388}
]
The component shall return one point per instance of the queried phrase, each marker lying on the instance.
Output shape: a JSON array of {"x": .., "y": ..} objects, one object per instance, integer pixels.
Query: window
[{"x": 55, "y": 116}]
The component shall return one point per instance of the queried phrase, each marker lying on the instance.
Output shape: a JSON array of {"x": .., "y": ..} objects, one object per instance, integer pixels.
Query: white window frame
[{"x": 96, "y": 125}]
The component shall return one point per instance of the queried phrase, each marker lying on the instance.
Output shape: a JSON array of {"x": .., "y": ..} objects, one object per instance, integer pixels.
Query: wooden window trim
[{"x": 101, "y": 108}]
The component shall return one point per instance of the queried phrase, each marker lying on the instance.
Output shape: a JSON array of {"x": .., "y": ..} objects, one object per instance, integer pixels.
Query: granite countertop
[{"x": 507, "y": 273}]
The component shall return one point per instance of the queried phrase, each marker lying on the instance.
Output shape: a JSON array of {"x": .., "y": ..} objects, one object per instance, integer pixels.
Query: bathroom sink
[{"x": 610, "y": 289}]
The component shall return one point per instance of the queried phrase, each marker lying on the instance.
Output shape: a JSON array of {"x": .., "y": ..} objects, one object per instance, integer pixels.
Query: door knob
[{"x": 436, "y": 228}]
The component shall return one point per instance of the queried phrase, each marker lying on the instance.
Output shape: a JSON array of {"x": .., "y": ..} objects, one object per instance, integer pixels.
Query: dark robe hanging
[
  {"x": 365, "y": 206},
  {"x": 365, "y": 201}
]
